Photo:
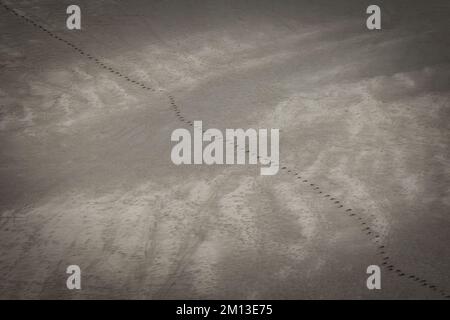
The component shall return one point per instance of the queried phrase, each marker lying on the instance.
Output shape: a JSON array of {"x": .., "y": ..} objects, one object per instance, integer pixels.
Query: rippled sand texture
[{"x": 85, "y": 170}]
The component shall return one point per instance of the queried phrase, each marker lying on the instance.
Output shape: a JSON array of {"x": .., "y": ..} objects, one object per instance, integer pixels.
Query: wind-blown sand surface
[{"x": 85, "y": 170}]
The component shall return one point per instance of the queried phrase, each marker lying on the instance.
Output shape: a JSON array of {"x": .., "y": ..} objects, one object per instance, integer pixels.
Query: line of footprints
[
  {"x": 373, "y": 236},
  {"x": 365, "y": 228}
]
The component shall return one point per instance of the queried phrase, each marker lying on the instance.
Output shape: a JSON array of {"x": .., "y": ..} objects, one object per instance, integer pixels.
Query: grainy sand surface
[{"x": 86, "y": 176}]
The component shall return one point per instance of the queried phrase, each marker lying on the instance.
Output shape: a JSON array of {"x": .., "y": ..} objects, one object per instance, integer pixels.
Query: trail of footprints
[
  {"x": 358, "y": 218},
  {"x": 373, "y": 236}
]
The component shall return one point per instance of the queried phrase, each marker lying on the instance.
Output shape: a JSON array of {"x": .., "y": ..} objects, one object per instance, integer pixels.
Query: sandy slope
[{"x": 86, "y": 176}]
